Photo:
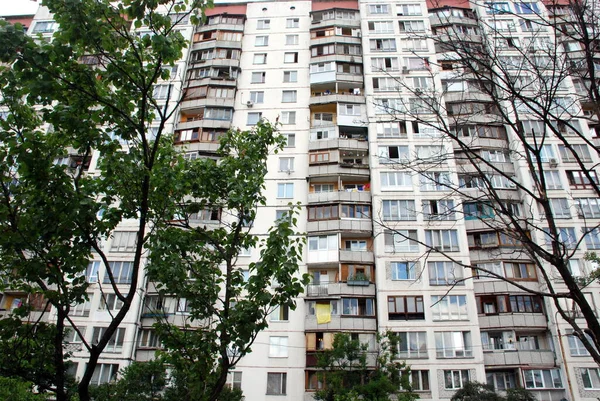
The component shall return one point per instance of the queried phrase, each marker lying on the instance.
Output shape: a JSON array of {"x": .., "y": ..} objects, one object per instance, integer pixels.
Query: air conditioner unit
[
  {"x": 553, "y": 162},
  {"x": 249, "y": 103},
  {"x": 405, "y": 70},
  {"x": 418, "y": 91}
]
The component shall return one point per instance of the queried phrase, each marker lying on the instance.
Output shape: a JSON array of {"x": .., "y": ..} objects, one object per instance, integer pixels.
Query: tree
[
  {"x": 351, "y": 371},
  {"x": 492, "y": 99},
  {"x": 90, "y": 92},
  {"x": 474, "y": 391}
]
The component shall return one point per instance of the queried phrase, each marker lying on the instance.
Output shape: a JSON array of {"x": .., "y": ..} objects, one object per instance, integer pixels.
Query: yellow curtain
[{"x": 323, "y": 312}]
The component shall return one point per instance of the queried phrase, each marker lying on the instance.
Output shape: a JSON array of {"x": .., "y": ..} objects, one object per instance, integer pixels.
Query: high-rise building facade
[{"x": 387, "y": 246}]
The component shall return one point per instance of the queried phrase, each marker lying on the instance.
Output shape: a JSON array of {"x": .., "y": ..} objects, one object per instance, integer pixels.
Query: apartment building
[{"x": 388, "y": 241}]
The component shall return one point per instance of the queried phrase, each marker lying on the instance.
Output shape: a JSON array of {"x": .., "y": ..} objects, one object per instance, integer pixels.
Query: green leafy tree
[
  {"x": 351, "y": 372},
  {"x": 54, "y": 218},
  {"x": 474, "y": 391},
  {"x": 17, "y": 390}
]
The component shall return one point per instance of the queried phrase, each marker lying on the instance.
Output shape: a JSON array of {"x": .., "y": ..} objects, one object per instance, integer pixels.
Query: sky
[{"x": 18, "y": 7}]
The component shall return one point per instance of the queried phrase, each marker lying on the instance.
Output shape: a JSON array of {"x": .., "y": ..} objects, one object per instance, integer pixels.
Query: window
[
  {"x": 72, "y": 337},
  {"x": 383, "y": 45},
  {"x": 406, "y": 308},
  {"x": 379, "y": 9},
  {"x": 560, "y": 208},
  {"x": 442, "y": 240},
  {"x": 83, "y": 308},
  {"x": 526, "y": 8},
  {"x": 520, "y": 271},
  {"x": 578, "y": 152},
  {"x": 445, "y": 273},
  {"x": 104, "y": 373},
  {"x": 497, "y": 8},
  {"x": 525, "y": 304},
  {"x": 148, "y": 339},
  {"x": 419, "y": 380},
  {"x": 123, "y": 241},
  {"x": 403, "y": 270},
  {"x": 501, "y": 380},
  {"x": 257, "y": 97},
  {"x": 261, "y": 41},
  {"x": 355, "y": 245},
  {"x": 323, "y": 212},
  {"x": 379, "y": 64},
  {"x": 319, "y": 157},
  {"x": 349, "y": 109},
  {"x": 401, "y": 241},
  {"x": 288, "y": 117},
  {"x": 44, "y": 27},
  {"x": 592, "y": 239},
  {"x": 396, "y": 180},
  {"x": 552, "y": 179},
  {"x": 588, "y": 207},
  {"x": 115, "y": 344},
  {"x": 110, "y": 302},
  {"x": 399, "y": 210},
  {"x": 412, "y": 344},
  {"x": 391, "y": 130},
  {"x": 449, "y": 307},
  {"x": 591, "y": 378},
  {"x": 290, "y": 76},
  {"x": 356, "y": 211},
  {"x": 289, "y": 96},
  {"x": 290, "y": 57},
  {"x": 292, "y": 40},
  {"x": 121, "y": 271},
  {"x": 411, "y": 26},
  {"x": 442, "y": 209},
  {"x": 453, "y": 344},
  {"x": 358, "y": 307},
  {"x": 435, "y": 181},
  {"x": 455, "y": 379},
  {"x": 576, "y": 347},
  {"x": 542, "y": 378},
  {"x": 278, "y": 347},
  {"x": 408, "y": 9},
  {"x": 263, "y": 24},
  {"x": 381, "y": 26},
  {"x": 234, "y": 380},
  {"x": 91, "y": 272},
  {"x": 292, "y": 23},
  {"x": 280, "y": 314},
  {"x": 253, "y": 118},
  {"x": 260, "y": 58},
  {"x": 161, "y": 91},
  {"x": 285, "y": 190},
  {"x": 258, "y": 77},
  {"x": 276, "y": 383},
  {"x": 286, "y": 164},
  {"x": 290, "y": 139},
  {"x": 393, "y": 154}
]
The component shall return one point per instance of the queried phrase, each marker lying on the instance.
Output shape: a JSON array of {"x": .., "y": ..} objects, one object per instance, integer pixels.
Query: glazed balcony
[
  {"x": 341, "y": 97},
  {"x": 342, "y": 323},
  {"x": 513, "y": 320},
  {"x": 207, "y": 101},
  {"x": 351, "y": 23},
  {"x": 338, "y": 143},
  {"x": 334, "y": 76},
  {"x": 216, "y": 43},
  {"x": 221, "y": 27},
  {"x": 216, "y": 62},
  {"x": 436, "y": 20},
  {"x": 341, "y": 39},
  {"x": 213, "y": 81}
]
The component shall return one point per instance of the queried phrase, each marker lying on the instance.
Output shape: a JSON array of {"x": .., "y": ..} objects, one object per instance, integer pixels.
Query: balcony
[
  {"x": 336, "y": 98},
  {"x": 341, "y": 323},
  {"x": 470, "y": 96},
  {"x": 340, "y": 196},
  {"x": 515, "y": 357},
  {"x": 341, "y": 39},
  {"x": 361, "y": 257},
  {"x": 435, "y": 20},
  {"x": 220, "y": 27},
  {"x": 216, "y": 62},
  {"x": 338, "y": 289},
  {"x": 212, "y": 81},
  {"x": 207, "y": 101},
  {"x": 338, "y": 143},
  {"x": 350, "y": 23},
  {"x": 354, "y": 225},
  {"x": 333, "y": 76},
  {"x": 509, "y": 320},
  {"x": 344, "y": 168},
  {"x": 338, "y": 57},
  {"x": 205, "y": 123},
  {"x": 210, "y": 44}
]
